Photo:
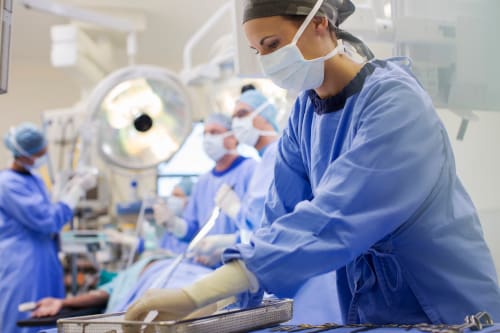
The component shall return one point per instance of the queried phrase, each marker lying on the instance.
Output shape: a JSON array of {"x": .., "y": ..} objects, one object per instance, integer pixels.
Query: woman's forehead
[{"x": 268, "y": 26}]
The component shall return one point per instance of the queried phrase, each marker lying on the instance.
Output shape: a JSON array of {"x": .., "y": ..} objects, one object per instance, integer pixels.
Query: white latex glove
[
  {"x": 85, "y": 179},
  {"x": 117, "y": 237},
  {"x": 174, "y": 304},
  {"x": 209, "y": 251},
  {"x": 228, "y": 201},
  {"x": 71, "y": 196},
  {"x": 165, "y": 217}
]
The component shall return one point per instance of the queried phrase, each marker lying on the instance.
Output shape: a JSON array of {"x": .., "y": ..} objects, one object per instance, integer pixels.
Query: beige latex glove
[
  {"x": 166, "y": 218},
  {"x": 174, "y": 304},
  {"x": 228, "y": 201}
]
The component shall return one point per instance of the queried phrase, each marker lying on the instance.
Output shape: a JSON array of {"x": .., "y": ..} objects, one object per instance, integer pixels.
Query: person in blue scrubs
[
  {"x": 255, "y": 124},
  {"x": 230, "y": 169},
  {"x": 364, "y": 183},
  {"x": 29, "y": 223},
  {"x": 177, "y": 202}
]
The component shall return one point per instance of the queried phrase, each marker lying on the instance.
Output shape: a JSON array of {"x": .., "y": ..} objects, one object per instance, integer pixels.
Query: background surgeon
[
  {"x": 29, "y": 222},
  {"x": 230, "y": 168},
  {"x": 365, "y": 184}
]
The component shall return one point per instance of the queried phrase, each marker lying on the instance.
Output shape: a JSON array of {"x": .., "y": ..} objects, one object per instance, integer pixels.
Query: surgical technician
[
  {"x": 177, "y": 202},
  {"x": 29, "y": 222},
  {"x": 365, "y": 184},
  {"x": 230, "y": 168},
  {"x": 251, "y": 109}
]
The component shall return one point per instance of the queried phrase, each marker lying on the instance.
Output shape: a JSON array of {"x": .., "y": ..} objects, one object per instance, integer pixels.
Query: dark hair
[
  {"x": 247, "y": 87},
  {"x": 299, "y": 19},
  {"x": 361, "y": 47}
]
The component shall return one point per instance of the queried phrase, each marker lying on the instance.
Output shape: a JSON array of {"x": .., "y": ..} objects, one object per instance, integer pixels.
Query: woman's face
[{"x": 268, "y": 34}]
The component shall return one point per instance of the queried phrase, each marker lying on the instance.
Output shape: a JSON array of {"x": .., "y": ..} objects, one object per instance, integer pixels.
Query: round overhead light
[{"x": 143, "y": 114}]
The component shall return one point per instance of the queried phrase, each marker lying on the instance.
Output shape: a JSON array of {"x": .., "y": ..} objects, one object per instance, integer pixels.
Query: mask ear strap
[{"x": 308, "y": 20}]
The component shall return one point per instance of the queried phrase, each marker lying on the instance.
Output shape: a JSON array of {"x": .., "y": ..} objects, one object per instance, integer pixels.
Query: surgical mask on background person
[
  {"x": 213, "y": 144},
  {"x": 37, "y": 164},
  {"x": 288, "y": 69},
  {"x": 176, "y": 205},
  {"x": 244, "y": 130}
]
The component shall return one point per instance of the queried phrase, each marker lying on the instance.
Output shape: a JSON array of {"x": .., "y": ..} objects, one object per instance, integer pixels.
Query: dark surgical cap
[{"x": 335, "y": 10}]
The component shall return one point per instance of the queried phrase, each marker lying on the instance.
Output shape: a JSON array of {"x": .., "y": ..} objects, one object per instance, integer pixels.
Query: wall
[
  {"x": 30, "y": 92},
  {"x": 478, "y": 165}
]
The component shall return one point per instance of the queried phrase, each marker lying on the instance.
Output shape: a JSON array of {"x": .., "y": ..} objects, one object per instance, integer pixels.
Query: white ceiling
[{"x": 169, "y": 24}]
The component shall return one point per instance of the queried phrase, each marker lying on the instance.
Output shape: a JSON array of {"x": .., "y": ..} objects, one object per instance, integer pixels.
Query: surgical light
[{"x": 143, "y": 116}]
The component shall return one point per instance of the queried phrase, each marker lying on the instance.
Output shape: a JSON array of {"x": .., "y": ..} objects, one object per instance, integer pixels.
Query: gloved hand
[
  {"x": 165, "y": 217},
  {"x": 86, "y": 179},
  {"x": 71, "y": 195},
  {"x": 174, "y": 304},
  {"x": 171, "y": 304},
  {"x": 48, "y": 307},
  {"x": 117, "y": 237},
  {"x": 78, "y": 186},
  {"x": 209, "y": 251},
  {"x": 228, "y": 201}
]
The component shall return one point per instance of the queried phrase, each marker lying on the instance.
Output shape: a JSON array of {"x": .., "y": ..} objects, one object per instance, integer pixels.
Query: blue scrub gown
[
  {"x": 365, "y": 184},
  {"x": 202, "y": 200},
  {"x": 29, "y": 268},
  {"x": 252, "y": 205}
]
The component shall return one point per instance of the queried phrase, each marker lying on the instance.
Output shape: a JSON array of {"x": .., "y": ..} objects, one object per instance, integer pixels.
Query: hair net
[
  {"x": 186, "y": 185},
  {"x": 25, "y": 139},
  {"x": 335, "y": 10},
  {"x": 255, "y": 99},
  {"x": 219, "y": 119}
]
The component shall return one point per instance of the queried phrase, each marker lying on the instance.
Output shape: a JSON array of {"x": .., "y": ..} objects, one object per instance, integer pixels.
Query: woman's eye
[{"x": 273, "y": 45}]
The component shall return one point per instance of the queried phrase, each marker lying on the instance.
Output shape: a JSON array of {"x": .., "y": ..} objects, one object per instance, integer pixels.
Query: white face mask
[
  {"x": 244, "y": 130},
  {"x": 213, "y": 144},
  {"x": 288, "y": 69},
  {"x": 176, "y": 204},
  {"x": 40, "y": 161}
]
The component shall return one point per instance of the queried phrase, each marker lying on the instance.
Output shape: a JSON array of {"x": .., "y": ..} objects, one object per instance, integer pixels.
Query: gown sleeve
[{"x": 30, "y": 205}]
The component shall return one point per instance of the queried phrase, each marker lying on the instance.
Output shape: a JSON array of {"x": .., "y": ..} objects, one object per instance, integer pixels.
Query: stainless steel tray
[{"x": 270, "y": 313}]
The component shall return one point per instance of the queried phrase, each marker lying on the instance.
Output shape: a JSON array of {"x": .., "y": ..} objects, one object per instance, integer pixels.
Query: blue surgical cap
[
  {"x": 219, "y": 119},
  {"x": 24, "y": 139},
  {"x": 255, "y": 99},
  {"x": 186, "y": 185}
]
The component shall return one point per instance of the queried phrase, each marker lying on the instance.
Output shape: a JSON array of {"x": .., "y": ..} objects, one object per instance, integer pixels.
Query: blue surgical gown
[
  {"x": 29, "y": 268},
  {"x": 202, "y": 200},
  {"x": 365, "y": 184},
  {"x": 252, "y": 205}
]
